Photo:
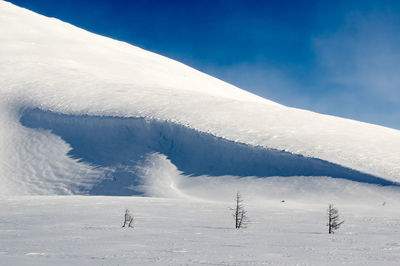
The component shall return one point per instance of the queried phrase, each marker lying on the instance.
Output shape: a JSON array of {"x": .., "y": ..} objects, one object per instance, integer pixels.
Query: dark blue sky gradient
[{"x": 334, "y": 57}]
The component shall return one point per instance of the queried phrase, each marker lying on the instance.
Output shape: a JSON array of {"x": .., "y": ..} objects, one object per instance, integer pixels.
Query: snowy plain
[
  {"x": 82, "y": 230},
  {"x": 83, "y": 114}
]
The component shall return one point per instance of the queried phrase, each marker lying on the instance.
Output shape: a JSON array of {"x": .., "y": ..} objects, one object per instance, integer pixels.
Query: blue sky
[{"x": 334, "y": 57}]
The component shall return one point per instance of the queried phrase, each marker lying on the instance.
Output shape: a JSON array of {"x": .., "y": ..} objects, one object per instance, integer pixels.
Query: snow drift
[
  {"x": 82, "y": 113},
  {"x": 123, "y": 145}
]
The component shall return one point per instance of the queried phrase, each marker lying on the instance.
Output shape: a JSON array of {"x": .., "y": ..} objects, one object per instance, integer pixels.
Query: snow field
[
  {"x": 80, "y": 230},
  {"x": 69, "y": 75}
]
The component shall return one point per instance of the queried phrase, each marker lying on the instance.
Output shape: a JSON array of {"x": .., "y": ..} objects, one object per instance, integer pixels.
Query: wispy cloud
[
  {"x": 359, "y": 65},
  {"x": 363, "y": 56},
  {"x": 355, "y": 73}
]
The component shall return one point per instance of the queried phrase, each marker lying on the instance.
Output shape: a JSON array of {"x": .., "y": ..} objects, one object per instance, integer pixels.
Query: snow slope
[{"x": 63, "y": 72}]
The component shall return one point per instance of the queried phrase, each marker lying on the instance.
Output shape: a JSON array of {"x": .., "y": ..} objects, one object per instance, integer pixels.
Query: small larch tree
[
  {"x": 239, "y": 213},
  {"x": 128, "y": 219},
  {"x": 334, "y": 222}
]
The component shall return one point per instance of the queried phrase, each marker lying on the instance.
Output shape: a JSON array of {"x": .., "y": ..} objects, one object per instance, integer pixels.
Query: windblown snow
[{"x": 84, "y": 114}]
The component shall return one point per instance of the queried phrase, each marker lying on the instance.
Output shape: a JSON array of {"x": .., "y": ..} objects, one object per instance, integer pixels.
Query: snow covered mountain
[{"x": 85, "y": 114}]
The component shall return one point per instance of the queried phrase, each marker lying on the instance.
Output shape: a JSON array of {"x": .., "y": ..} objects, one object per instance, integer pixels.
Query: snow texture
[
  {"x": 85, "y": 114},
  {"x": 123, "y": 145},
  {"x": 64, "y": 90},
  {"x": 79, "y": 230}
]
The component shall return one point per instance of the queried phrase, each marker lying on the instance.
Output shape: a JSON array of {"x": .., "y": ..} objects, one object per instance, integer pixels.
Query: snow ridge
[
  {"x": 121, "y": 145},
  {"x": 56, "y": 67}
]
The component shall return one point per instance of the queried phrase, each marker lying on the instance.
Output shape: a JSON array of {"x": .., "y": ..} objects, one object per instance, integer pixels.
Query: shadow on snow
[{"x": 122, "y": 144}]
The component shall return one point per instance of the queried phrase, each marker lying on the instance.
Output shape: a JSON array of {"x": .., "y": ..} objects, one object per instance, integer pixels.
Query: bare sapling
[
  {"x": 239, "y": 213},
  {"x": 128, "y": 219},
  {"x": 334, "y": 222}
]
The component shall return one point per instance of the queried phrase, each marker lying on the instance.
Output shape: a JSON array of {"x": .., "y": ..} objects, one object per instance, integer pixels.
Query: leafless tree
[
  {"x": 128, "y": 219},
  {"x": 239, "y": 213},
  {"x": 333, "y": 219}
]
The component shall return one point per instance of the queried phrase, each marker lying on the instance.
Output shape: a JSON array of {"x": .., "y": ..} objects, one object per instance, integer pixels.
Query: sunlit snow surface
[
  {"x": 49, "y": 65},
  {"x": 76, "y": 230},
  {"x": 85, "y": 114}
]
